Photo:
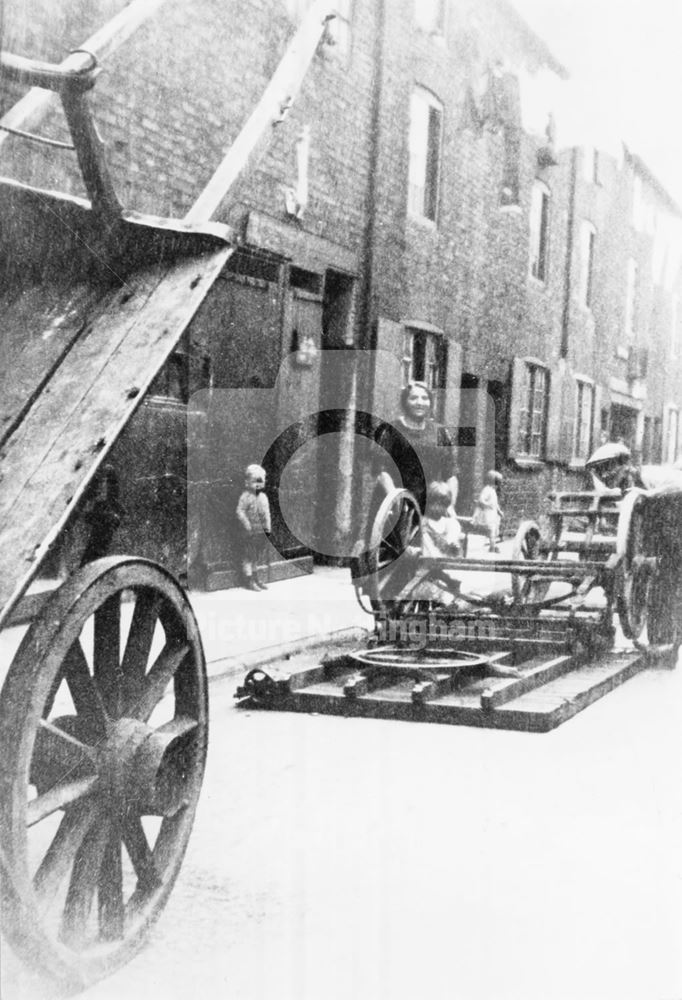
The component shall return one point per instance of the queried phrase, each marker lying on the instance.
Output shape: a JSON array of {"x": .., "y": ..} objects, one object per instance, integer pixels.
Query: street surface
[{"x": 351, "y": 859}]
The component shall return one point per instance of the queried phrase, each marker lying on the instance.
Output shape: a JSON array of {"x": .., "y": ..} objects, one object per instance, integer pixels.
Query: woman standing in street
[{"x": 415, "y": 449}]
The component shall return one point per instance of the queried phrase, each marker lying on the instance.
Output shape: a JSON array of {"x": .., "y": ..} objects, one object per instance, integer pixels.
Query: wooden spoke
[
  {"x": 107, "y": 652},
  {"x": 60, "y": 855},
  {"x": 158, "y": 679},
  {"x": 59, "y": 797},
  {"x": 139, "y": 644},
  {"x": 389, "y": 545},
  {"x": 85, "y": 695},
  {"x": 55, "y": 744},
  {"x": 181, "y": 725},
  {"x": 84, "y": 880},
  {"x": 110, "y": 888},
  {"x": 140, "y": 854}
]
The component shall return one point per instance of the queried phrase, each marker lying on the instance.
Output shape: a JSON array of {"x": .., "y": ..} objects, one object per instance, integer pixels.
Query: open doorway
[{"x": 623, "y": 425}]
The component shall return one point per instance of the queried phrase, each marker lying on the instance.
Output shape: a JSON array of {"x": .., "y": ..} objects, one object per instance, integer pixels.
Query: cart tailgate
[{"x": 71, "y": 388}]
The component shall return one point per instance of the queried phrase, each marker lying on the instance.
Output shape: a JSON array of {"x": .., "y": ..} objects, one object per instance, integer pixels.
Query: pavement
[{"x": 241, "y": 629}]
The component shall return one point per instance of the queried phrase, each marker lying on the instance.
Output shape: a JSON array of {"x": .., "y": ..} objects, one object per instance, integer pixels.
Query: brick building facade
[{"x": 401, "y": 208}]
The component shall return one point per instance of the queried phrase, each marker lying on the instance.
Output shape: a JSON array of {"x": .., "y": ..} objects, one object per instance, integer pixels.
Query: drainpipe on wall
[
  {"x": 349, "y": 505},
  {"x": 570, "y": 239},
  {"x": 366, "y": 309},
  {"x": 367, "y": 317}
]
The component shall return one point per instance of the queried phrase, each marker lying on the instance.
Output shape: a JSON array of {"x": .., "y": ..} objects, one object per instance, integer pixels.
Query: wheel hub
[{"x": 145, "y": 767}]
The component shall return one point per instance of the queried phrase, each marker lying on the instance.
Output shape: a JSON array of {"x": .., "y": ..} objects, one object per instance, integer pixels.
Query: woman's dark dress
[{"x": 420, "y": 456}]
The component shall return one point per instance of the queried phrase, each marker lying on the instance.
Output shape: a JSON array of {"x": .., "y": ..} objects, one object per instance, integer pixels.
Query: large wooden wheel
[
  {"x": 635, "y": 569},
  {"x": 387, "y": 565},
  {"x": 664, "y": 619},
  {"x": 103, "y": 721}
]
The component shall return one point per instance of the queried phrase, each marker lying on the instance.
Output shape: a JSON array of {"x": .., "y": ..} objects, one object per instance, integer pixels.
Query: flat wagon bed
[
  {"x": 549, "y": 691},
  {"x": 582, "y": 607}
]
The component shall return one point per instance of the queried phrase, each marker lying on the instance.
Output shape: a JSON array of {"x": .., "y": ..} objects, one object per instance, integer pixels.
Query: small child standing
[
  {"x": 253, "y": 515},
  {"x": 441, "y": 536},
  {"x": 488, "y": 514},
  {"x": 441, "y": 531}
]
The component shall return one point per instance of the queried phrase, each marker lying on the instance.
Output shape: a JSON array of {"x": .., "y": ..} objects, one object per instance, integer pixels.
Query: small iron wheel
[
  {"x": 413, "y": 660},
  {"x": 528, "y": 545},
  {"x": 103, "y": 722}
]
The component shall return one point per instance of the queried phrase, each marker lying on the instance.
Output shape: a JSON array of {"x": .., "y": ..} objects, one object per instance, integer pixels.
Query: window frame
[
  {"x": 532, "y": 433},
  {"x": 539, "y": 232},
  {"x": 584, "y": 419},
  {"x": 588, "y": 241},
  {"x": 425, "y": 359},
  {"x": 424, "y": 162}
]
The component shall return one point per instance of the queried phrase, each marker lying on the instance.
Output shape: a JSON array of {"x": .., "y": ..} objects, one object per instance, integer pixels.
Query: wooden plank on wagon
[
  {"x": 39, "y": 325},
  {"x": 63, "y": 395},
  {"x": 98, "y": 385},
  {"x": 539, "y": 674}
]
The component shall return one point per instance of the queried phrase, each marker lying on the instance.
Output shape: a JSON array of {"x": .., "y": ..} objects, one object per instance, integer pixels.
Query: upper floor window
[
  {"x": 430, "y": 15},
  {"x": 588, "y": 238},
  {"x": 584, "y": 414},
  {"x": 539, "y": 230},
  {"x": 631, "y": 300},
  {"x": 426, "y": 126},
  {"x": 534, "y": 407}
]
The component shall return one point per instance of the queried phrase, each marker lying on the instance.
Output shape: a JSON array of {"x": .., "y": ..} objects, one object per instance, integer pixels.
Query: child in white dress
[
  {"x": 441, "y": 531},
  {"x": 488, "y": 514},
  {"x": 441, "y": 536}
]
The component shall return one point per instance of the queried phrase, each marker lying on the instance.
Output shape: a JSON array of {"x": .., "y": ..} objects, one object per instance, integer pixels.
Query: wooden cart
[
  {"x": 450, "y": 646},
  {"x": 103, "y": 712}
]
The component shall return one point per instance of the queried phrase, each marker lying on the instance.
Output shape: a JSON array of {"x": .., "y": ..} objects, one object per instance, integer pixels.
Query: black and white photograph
[{"x": 340, "y": 500}]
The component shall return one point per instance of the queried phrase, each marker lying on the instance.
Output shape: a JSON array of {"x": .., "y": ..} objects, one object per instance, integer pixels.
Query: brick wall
[{"x": 173, "y": 98}]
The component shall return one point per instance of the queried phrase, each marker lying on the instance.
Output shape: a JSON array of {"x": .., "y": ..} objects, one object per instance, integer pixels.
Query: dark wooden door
[{"x": 234, "y": 421}]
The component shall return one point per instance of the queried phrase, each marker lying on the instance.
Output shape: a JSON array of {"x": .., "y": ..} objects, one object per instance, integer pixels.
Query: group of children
[{"x": 441, "y": 532}]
